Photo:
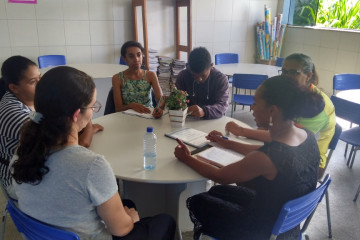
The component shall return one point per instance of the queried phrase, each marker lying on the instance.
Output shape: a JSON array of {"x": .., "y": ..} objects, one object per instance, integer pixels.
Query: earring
[{"x": 270, "y": 122}]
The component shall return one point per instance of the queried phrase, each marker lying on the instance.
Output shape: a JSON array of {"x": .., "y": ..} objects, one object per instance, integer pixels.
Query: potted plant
[{"x": 176, "y": 102}]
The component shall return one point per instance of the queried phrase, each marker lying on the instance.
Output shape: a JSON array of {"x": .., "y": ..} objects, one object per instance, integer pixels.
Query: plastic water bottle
[{"x": 149, "y": 149}]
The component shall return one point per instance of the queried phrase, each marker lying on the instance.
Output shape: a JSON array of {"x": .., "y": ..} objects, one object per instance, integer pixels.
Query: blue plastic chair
[
  {"x": 34, "y": 229},
  {"x": 349, "y": 111},
  {"x": 294, "y": 212},
  {"x": 226, "y": 58},
  {"x": 246, "y": 83},
  {"x": 122, "y": 62},
  {"x": 279, "y": 62},
  {"x": 345, "y": 81},
  {"x": 51, "y": 60}
]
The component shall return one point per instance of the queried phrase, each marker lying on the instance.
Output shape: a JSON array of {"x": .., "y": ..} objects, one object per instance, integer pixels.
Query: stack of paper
[
  {"x": 164, "y": 73},
  {"x": 153, "y": 60},
  {"x": 177, "y": 67}
]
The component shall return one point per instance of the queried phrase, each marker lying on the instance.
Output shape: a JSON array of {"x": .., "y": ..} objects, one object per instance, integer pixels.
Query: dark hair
[
  {"x": 306, "y": 64},
  {"x": 12, "y": 71},
  {"x": 199, "y": 60},
  {"x": 128, "y": 44},
  {"x": 294, "y": 100},
  {"x": 61, "y": 91}
]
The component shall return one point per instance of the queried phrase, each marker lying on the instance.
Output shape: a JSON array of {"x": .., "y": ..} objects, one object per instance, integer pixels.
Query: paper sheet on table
[
  {"x": 190, "y": 136},
  {"x": 219, "y": 156},
  {"x": 143, "y": 115}
]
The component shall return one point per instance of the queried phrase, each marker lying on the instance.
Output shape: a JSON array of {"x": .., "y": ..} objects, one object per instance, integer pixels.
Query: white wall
[
  {"x": 94, "y": 30},
  {"x": 332, "y": 51}
]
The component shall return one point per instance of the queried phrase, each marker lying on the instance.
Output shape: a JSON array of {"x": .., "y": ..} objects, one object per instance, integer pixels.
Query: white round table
[
  {"x": 95, "y": 70},
  {"x": 157, "y": 190},
  {"x": 248, "y": 68},
  {"x": 352, "y": 95}
]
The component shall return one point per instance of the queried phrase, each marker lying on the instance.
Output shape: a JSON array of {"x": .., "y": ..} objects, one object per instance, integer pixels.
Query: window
[{"x": 325, "y": 13}]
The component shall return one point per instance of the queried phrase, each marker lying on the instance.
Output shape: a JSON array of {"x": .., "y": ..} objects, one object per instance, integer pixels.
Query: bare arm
[
  {"x": 119, "y": 105},
  {"x": 116, "y": 218},
  {"x": 86, "y": 135},
  {"x": 154, "y": 82},
  {"x": 257, "y": 134},
  {"x": 215, "y": 136},
  {"x": 253, "y": 165}
]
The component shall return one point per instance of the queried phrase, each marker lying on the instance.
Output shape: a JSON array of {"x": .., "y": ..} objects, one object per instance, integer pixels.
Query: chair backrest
[
  {"x": 51, "y": 60},
  {"x": 110, "y": 105},
  {"x": 224, "y": 58},
  {"x": 279, "y": 62},
  {"x": 122, "y": 62},
  {"x": 34, "y": 229},
  {"x": 297, "y": 210},
  {"x": 346, "y": 81},
  {"x": 248, "y": 81},
  {"x": 332, "y": 146},
  {"x": 347, "y": 110}
]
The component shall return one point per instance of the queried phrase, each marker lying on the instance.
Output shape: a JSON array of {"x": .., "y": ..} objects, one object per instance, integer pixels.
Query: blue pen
[{"x": 223, "y": 137}]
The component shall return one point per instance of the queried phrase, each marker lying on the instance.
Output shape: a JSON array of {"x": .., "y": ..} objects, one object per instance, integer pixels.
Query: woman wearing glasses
[
  {"x": 19, "y": 76},
  {"x": 64, "y": 184},
  {"x": 298, "y": 67}
]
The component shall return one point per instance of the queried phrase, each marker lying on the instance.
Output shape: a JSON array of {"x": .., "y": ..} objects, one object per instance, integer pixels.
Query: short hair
[
  {"x": 12, "y": 71},
  {"x": 128, "y": 44},
  {"x": 294, "y": 100},
  {"x": 306, "y": 64},
  {"x": 199, "y": 60}
]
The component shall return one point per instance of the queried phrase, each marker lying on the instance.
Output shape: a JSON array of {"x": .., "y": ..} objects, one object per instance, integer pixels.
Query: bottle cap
[{"x": 149, "y": 129}]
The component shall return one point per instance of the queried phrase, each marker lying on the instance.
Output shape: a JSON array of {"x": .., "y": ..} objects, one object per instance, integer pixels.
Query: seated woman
[
  {"x": 132, "y": 87},
  {"x": 19, "y": 76},
  {"x": 300, "y": 68},
  {"x": 283, "y": 169},
  {"x": 64, "y": 184}
]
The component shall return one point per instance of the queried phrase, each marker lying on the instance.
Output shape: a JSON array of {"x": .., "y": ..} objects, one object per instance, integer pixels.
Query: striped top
[{"x": 13, "y": 113}]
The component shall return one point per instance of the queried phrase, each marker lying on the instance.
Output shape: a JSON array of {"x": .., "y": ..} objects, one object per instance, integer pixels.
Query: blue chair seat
[
  {"x": 34, "y": 229},
  {"x": 247, "y": 100},
  {"x": 352, "y": 137}
]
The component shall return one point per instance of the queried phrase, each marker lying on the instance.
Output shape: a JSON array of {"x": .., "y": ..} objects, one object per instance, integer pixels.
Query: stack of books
[
  {"x": 270, "y": 36},
  {"x": 176, "y": 68},
  {"x": 164, "y": 74},
  {"x": 153, "y": 60}
]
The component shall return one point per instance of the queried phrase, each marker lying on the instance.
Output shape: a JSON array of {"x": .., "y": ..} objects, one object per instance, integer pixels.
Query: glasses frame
[
  {"x": 96, "y": 107},
  {"x": 291, "y": 72}
]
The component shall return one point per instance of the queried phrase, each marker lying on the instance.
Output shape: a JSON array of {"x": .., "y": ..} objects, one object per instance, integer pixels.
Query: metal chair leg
[
  {"x": 3, "y": 223},
  {"x": 350, "y": 155},
  {"x": 353, "y": 157},
  {"x": 328, "y": 213},
  {"x": 357, "y": 194}
]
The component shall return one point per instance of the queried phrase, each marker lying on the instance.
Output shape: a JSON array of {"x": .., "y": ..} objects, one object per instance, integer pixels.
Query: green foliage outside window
[{"x": 330, "y": 13}]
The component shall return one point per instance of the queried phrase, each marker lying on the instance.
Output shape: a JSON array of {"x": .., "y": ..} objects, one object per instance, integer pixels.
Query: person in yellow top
[{"x": 300, "y": 68}]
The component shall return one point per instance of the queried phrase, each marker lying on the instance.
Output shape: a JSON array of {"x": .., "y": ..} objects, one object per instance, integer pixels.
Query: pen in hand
[{"x": 223, "y": 137}]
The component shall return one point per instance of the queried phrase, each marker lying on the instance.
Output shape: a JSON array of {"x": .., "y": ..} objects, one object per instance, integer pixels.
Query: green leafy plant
[
  {"x": 339, "y": 14},
  {"x": 177, "y": 100},
  {"x": 327, "y": 13}
]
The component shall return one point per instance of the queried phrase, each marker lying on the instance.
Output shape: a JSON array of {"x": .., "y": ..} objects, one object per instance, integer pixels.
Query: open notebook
[
  {"x": 190, "y": 136},
  {"x": 143, "y": 115},
  {"x": 219, "y": 156}
]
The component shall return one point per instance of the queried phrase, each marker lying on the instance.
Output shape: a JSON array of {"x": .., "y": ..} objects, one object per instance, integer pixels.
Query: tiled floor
[{"x": 345, "y": 213}]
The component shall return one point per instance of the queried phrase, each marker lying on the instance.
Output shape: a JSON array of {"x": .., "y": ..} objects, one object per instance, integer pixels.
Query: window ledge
[{"x": 326, "y": 28}]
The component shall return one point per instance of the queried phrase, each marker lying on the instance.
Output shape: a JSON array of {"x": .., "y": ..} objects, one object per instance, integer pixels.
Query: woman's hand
[
  {"x": 157, "y": 113},
  {"x": 181, "y": 151},
  {"x": 132, "y": 213},
  {"x": 235, "y": 129},
  {"x": 196, "y": 111},
  {"x": 139, "y": 108},
  {"x": 215, "y": 136},
  {"x": 97, "y": 127}
]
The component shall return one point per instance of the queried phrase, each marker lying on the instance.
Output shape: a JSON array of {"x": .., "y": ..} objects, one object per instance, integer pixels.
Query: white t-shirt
[{"x": 78, "y": 180}]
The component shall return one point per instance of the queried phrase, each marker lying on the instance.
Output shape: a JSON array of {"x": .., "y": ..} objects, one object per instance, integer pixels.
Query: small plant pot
[{"x": 177, "y": 117}]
